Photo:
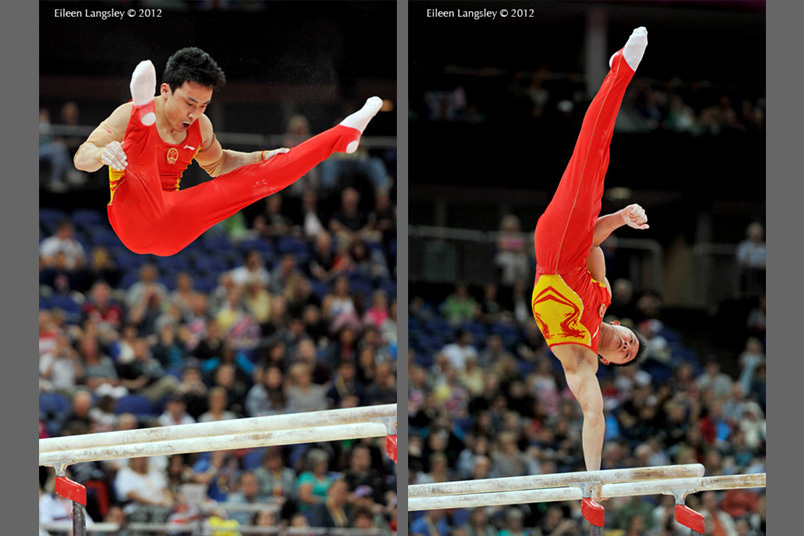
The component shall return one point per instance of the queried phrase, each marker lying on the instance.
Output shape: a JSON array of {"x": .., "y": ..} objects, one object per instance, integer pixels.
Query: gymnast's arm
[
  {"x": 216, "y": 160},
  {"x": 632, "y": 215},
  {"x": 580, "y": 368},
  {"x": 110, "y": 132}
]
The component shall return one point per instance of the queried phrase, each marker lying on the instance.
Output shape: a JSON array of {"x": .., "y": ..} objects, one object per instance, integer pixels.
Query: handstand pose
[
  {"x": 571, "y": 292},
  {"x": 161, "y": 136}
]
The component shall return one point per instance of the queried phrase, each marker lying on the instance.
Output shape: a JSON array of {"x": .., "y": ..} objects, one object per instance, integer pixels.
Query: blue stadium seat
[
  {"x": 129, "y": 278},
  {"x": 136, "y": 404},
  {"x": 53, "y": 404},
  {"x": 361, "y": 288},
  {"x": 253, "y": 459},
  {"x": 169, "y": 281},
  {"x": 50, "y": 217},
  {"x": 320, "y": 288},
  {"x": 127, "y": 259},
  {"x": 217, "y": 242},
  {"x": 425, "y": 360},
  {"x": 85, "y": 217},
  {"x": 205, "y": 283},
  {"x": 107, "y": 238},
  {"x": 289, "y": 244},
  {"x": 390, "y": 288},
  {"x": 71, "y": 308},
  {"x": 265, "y": 248},
  {"x": 210, "y": 265},
  {"x": 460, "y": 517}
]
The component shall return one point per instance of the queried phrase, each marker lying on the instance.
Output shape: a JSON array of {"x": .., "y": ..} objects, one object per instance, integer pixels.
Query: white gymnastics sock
[
  {"x": 360, "y": 119},
  {"x": 635, "y": 47},
  {"x": 143, "y": 87}
]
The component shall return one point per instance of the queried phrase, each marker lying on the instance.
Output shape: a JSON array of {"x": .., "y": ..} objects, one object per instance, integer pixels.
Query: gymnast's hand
[
  {"x": 634, "y": 216},
  {"x": 267, "y": 155},
  {"x": 114, "y": 156}
]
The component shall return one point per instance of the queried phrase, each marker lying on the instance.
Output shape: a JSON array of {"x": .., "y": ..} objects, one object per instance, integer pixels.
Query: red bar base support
[
  {"x": 71, "y": 490},
  {"x": 593, "y": 512},
  {"x": 690, "y": 518},
  {"x": 390, "y": 446}
]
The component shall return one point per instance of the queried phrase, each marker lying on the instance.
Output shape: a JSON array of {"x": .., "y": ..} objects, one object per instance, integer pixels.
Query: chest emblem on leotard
[
  {"x": 172, "y": 155},
  {"x": 557, "y": 310}
]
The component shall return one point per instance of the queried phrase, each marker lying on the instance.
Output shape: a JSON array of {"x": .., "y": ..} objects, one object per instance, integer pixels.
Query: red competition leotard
[
  {"x": 150, "y": 214},
  {"x": 568, "y": 304}
]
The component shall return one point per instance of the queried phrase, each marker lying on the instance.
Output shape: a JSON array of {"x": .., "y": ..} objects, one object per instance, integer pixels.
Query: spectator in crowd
[
  {"x": 323, "y": 262},
  {"x": 218, "y": 402},
  {"x": 142, "y": 487},
  {"x": 367, "y": 262},
  {"x": 349, "y": 222},
  {"x": 100, "y": 374},
  {"x": 101, "y": 267},
  {"x": 511, "y": 258},
  {"x": 64, "y": 242},
  {"x": 458, "y": 352},
  {"x": 267, "y": 397},
  {"x": 382, "y": 218},
  {"x": 144, "y": 375},
  {"x": 219, "y": 471},
  {"x": 252, "y": 269},
  {"x": 313, "y": 483},
  {"x": 430, "y": 523},
  {"x": 283, "y": 273},
  {"x": 271, "y": 223},
  {"x": 310, "y": 219},
  {"x": 193, "y": 390},
  {"x": 383, "y": 389},
  {"x": 335, "y": 511},
  {"x": 345, "y": 390},
  {"x": 275, "y": 479},
  {"x": 757, "y": 320},
  {"x": 338, "y": 305},
  {"x": 361, "y": 473},
  {"x": 264, "y": 518},
  {"x": 102, "y": 309},
  {"x": 718, "y": 383},
  {"x": 54, "y": 152},
  {"x": 717, "y": 521},
  {"x": 514, "y": 522},
  {"x": 167, "y": 349},
  {"x": 49, "y": 331},
  {"x": 479, "y": 524},
  {"x": 79, "y": 414},
  {"x": 751, "y": 260},
  {"x": 147, "y": 285},
  {"x": 459, "y": 306},
  {"x": 61, "y": 369},
  {"x": 302, "y": 394},
  {"x": 248, "y": 491},
  {"x": 753, "y": 355},
  {"x": 182, "y": 297},
  {"x": 175, "y": 412}
]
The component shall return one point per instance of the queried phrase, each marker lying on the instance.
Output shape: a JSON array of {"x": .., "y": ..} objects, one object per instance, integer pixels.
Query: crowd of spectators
[
  {"x": 696, "y": 108},
  {"x": 487, "y": 399},
  {"x": 292, "y": 309}
]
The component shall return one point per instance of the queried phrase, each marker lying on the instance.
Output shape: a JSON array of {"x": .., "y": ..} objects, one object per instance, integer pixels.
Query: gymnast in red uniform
[
  {"x": 149, "y": 142},
  {"x": 571, "y": 292}
]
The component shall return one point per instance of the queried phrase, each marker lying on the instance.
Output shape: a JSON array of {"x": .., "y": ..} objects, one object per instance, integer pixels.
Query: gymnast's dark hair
[{"x": 192, "y": 64}]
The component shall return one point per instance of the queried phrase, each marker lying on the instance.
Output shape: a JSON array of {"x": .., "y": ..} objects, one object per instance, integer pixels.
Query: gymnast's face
[
  {"x": 185, "y": 105},
  {"x": 618, "y": 346}
]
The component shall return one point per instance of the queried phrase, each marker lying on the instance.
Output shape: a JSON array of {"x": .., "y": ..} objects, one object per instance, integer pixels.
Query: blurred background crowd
[
  {"x": 486, "y": 396},
  {"x": 288, "y": 306}
]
